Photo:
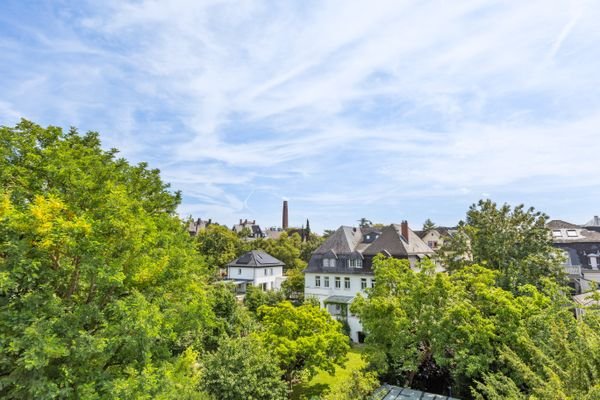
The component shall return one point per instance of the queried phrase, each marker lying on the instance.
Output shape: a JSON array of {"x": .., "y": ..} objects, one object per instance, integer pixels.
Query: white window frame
[
  {"x": 372, "y": 283},
  {"x": 355, "y": 263},
  {"x": 347, "y": 283},
  {"x": 318, "y": 281},
  {"x": 363, "y": 283},
  {"x": 338, "y": 282},
  {"x": 239, "y": 271},
  {"x": 326, "y": 281}
]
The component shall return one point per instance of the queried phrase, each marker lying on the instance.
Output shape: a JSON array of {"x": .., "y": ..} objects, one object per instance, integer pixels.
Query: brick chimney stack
[
  {"x": 284, "y": 217},
  {"x": 404, "y": 230}
]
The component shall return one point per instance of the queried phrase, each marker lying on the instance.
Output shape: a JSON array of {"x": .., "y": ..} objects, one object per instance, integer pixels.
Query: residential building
[
  {"x": 342, "y": 266},
  {"x": 196, "y": 226},
  {"x": 256, "y": 268},
  {"x": 435, "y": 237},
  {"x": 581, "y": 247},
  {"x": 253, "y": 230}
]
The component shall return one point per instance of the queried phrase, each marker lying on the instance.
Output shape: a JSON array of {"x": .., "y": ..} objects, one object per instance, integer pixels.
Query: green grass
[{"x": 323, "y": 380}]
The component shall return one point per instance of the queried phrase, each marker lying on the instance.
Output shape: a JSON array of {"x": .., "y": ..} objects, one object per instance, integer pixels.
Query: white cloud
[{"x": 311, "y": 100}]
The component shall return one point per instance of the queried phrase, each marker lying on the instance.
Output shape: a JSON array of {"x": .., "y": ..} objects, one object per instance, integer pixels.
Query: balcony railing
[{"x": 573, "y": 269}]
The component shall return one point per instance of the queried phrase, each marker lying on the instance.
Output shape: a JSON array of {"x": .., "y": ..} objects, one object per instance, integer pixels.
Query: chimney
[
  {"x": 284, "y": 217},
  {"x": 404, "y": 230},
  {"x": 596, "y": 220},
  {"x": 240, "y": 221}
]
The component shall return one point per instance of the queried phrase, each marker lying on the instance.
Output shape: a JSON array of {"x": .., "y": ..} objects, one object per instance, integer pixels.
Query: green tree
[
  {"x": 304, "y": 339},
  {"x": 428, "y": 225},
  {"x": 431, "y": 331},
  {"x": 364, "y": 223},
  {"x": 99, "y": 282},
  {"x": 256, "y": 297},
  {"x": 360, "y": 384},
  {"x": 513, "y": 241},
  {"x": 219, "y": 245},
  {"x": 242, "y": 369}
]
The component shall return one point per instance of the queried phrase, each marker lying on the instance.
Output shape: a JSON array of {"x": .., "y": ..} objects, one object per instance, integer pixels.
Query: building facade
[
  {"x": 581, "y": 247},
  {"x": 342, "y": 266},
  {"x": 256, "y": 268}
]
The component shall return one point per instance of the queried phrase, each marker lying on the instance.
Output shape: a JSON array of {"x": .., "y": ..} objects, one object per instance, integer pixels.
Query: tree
[
  {"x": 304, "y": 339},
  {"x": 431, "y": 331},
  {"x": 428, "y": 225},
  {"x": 100, "y": 285},
  {"x": 364, "y": 223},
  {"x": 219, "y": 245},
  {"x": 513, "y": 241},
  {"x": 256, "y": 297},
  {"x": 241, "y": 369}
]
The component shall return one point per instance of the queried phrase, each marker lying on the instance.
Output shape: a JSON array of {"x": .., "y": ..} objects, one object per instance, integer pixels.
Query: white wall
[
  {"x": 272, "y": 277},
  {"x": 322, "y": 293}
]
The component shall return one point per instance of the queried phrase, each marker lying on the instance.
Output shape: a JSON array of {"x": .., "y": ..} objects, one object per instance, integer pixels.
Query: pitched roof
[
  {"x": 560, "y": 224},
  {"x": 391, "y": 241},
  {"x": 344, "y": 240},
  {"x": 256, "y": 258}
]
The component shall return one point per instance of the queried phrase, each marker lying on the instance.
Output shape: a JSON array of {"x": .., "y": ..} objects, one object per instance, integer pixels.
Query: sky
[{"x": 388, "y": 110}]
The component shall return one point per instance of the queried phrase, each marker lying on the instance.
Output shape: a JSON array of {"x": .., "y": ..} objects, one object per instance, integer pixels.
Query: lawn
[{"x": 322, "y": 381}]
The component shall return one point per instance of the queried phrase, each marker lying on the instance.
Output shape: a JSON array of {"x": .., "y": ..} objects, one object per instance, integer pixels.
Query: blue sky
[{"x": 388, "y": 110}]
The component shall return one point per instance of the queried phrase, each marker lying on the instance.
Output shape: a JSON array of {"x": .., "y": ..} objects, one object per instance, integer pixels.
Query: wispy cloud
[{"x": 391, "y": 110}]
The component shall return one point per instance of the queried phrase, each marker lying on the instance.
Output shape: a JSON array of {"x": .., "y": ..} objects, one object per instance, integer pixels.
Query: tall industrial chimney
[{"x": 284, "y": 218}]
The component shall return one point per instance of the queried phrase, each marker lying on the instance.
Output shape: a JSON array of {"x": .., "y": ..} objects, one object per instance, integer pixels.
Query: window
[
  {"x": 356, "y": 263},
  {"x": 239, "y": 271},
  {"x": 338, "y": 282},
  {"x": 556, "y": 233},
  {"x": 329, "y": 262},
  {"x": 266, "y": 270},
  {"x": 363, "y": 283},
  {"x": 432, "y": 244},
  {"x": 346, "y": 283},
  {"x": 326, "y": 262},
  {"x": 271, "y": 271},
  {"x": 571, "y": 233},
  {"x": 372, "y": 283},
  {"x": 317, "y": 281},
  {"x": 326, "y": 281}
]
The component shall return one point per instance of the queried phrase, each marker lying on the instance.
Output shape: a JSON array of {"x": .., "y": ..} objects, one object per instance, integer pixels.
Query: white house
[
  {"x": 341, "y": 267},
  {"x": 256, "y": 268}
]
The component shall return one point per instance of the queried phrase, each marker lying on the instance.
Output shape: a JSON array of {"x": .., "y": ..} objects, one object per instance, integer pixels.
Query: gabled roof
[
  {"x": 391, "y": 242},
  {"x": 256, "y": 258},
  {"x": 343, "y": 241}
]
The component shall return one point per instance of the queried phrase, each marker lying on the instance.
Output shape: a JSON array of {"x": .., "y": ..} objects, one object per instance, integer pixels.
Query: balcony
[{"x": 573, "y": 269}]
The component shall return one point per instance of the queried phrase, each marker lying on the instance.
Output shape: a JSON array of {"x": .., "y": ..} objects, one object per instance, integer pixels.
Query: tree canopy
[
  {"x": 513, "y": 241},
  {"x": 434, "y": 331},
  {"x": 304, "y": 338},
  {"x": 99, "y": 287}
]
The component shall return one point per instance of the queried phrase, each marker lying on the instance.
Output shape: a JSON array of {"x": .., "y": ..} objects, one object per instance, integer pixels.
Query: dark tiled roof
[
  {"x": 342, "y": 241},
  {"x": 391, "y": 241},
  {"x": 256, "y": 258},
  {"x": 560, "y": 224}
]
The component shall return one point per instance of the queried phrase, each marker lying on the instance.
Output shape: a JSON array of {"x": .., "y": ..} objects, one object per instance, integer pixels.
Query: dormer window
[
  {"x": 557, "y": 233},
  {"x": 571, "y": 233},
  {"x": 329, "y": 262},
  {"x": 355, "y": 263}
]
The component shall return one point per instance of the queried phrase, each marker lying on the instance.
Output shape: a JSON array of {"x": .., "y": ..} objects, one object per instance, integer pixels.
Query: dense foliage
[
  {"x": 242, "y": 369},
  {"x": 435, "y": 331},
  {"x": 101, "y": 293},
  {"x": 304, "y": 338},
  {"x": 513, "y": 241}
]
